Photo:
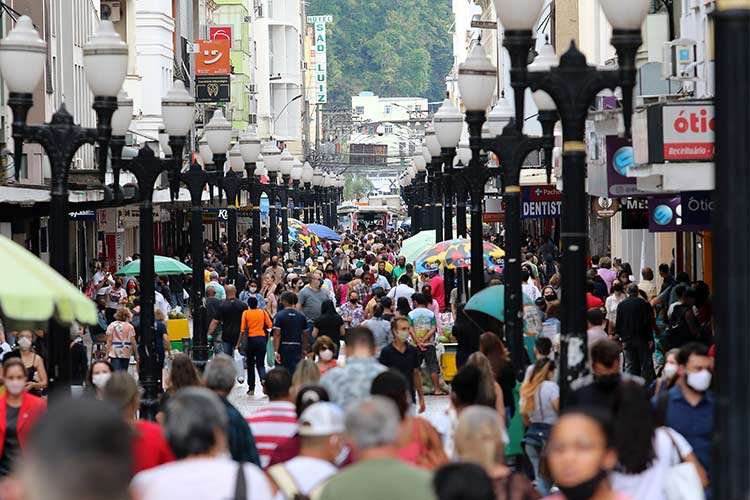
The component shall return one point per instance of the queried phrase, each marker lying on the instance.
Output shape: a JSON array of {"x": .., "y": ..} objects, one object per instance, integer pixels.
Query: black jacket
[{"x": 634, "y": 321}]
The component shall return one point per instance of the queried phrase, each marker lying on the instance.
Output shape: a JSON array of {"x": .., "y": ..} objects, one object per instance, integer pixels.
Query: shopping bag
[
  {"x": 239, "y": 363},
  {"x": 270, "y": 358}
]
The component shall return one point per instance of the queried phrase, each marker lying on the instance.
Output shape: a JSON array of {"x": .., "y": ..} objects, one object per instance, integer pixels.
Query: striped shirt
[{"x": 271, "y": 425}]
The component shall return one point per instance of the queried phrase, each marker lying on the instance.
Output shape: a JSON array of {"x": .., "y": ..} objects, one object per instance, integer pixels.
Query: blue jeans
[
  {"x": 228, "y": 348},
  {"x": 291, "y": 355},
  {"x": 534, "y": 453},
  {"x": 120, "y": 364},
  {"x": 256, "y": 355}
]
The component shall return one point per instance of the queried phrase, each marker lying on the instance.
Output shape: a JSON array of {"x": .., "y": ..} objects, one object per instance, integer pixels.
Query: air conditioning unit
[
  {"x": 680, "y": 60},
  {"x": 111, "y": 10}
]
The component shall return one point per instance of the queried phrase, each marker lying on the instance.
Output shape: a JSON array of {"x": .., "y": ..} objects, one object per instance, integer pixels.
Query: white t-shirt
[
  {"x": 113, "y": 296},
  {"x": 611, "y": 306},
  {"x": 543, "y": 410},
  {"x": 649, "y": 484},
  {"x": 199, "y": 479},
  {"x": 308, "y": 473}
]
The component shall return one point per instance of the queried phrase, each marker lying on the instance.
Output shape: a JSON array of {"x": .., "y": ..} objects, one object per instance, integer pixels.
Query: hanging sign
[
  {"x": 540, "y": 202},
  {"x": 212, "y": 88},
  {"x": 605, "y": 208}
]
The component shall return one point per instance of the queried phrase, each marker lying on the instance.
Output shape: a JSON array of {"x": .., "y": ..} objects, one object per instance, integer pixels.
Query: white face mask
[
  {"x": 699, "y": 381},
  {"x": 100, "y": 379},
  {"x": 24, "y": 343},
  {"x": 670, "y": 370},
  {"x": 15, "y": 387},
  {"x": 326, "y": 354},
  {"x": 253, "y": 289}
]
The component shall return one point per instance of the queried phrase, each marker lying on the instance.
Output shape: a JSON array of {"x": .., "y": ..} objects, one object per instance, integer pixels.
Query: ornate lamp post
[
  {"x": 307, "y": 178},
  {"x": 317, "y": 183},
  {"x": 297, "y": 195},
  {"x": 271, "y": 161},
  {"x": 432, "y": 144},
  {"x": 420, "y": 207},
  {"x": 232, "y": 184},
  {"x": 572, "y": 86},
  {"x": 250, "y": 152},
  {"x": 177, "y": 113},
  {"x": 285, "y": 168},
  {"x": 22, "y": 59}
]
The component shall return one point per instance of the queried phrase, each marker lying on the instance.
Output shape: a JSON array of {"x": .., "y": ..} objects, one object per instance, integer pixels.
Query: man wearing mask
[
  {"x": 275, "y": 271},
  {"x": 689, "y": 407},
  {"x": 402, "y": 356},
  {"x": 289, "y": 333},
  {"x": 635, "y": 328},
  {"x": 598, "y": 389},
  {"x": 311, "y": 299},
  {"x": 351, "y": 312}
]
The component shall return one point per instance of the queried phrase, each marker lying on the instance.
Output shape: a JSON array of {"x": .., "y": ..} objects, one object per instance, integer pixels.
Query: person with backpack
[{"x": 683, "y": 325}]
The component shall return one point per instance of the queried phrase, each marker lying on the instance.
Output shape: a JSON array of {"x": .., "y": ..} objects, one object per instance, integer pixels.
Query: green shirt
[
  {"x": 380, "y": 479},
  {"x": 397, "y": 272}
]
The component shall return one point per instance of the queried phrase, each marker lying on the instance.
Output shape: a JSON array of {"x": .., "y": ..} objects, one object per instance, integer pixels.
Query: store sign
[
  {"x": 540, "y": 202},
  {"x": 605, "y": 208},
  {"x": 319, "y": 19},
  {"x": 697, "y": 207},
  {"x": 634, "y": 213},
  {"x": 215, "y": 214},
  {"x": 666, "y": 215},
  {"x": 212, "y": 57},
  {"x": 212, "y": 88},
  {"x": 318, "y": 55},
  {"x": 619, "y": 160},
  {"x": 221, "y": 32},
  {"x": 494, "y": 210},
  {"x": 83, "y": 215}
]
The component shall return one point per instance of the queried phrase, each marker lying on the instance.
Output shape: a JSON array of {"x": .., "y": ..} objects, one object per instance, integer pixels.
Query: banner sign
[
  {"x": 212, "y": 88},
  {"x": 665, "y": 215},
  {"x": 697, "y": 207},
  {"x": 494, "y": 210},
  {"x": 83, "y": 215},
  {"x": 318, "y": 55},
  {"x": 605, "y": 208},
  {"x": 212, "y": 57},
  {"x": 634, "y": 213},
  {"x": 215, "y": 214},
  {"x": 679, "y": 131},
  {"x": 540, "y": 202},
  {"x": 619, "y": 160},
  {"x": 221, "y": 32}
]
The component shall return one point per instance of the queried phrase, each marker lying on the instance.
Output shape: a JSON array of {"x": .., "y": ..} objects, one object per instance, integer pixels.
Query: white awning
[{"x": 30, "y": 195}]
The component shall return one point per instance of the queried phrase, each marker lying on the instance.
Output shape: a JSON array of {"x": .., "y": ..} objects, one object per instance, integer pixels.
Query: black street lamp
[
  {"x": 285, "y": 168},
  {"x": 434, "y": 167},
  {"x": 572, "y": 85},
  {"x": 307, "y": 196},
  {"x": 272, "y": 161},
  {"x": 317, "y": 184},
  {"x": 250, "y": 152},
  {"x": 23, "y": 55}
]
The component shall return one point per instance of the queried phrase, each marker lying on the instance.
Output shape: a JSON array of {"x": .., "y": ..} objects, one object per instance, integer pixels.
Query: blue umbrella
[{"x": 324, "y": 232}]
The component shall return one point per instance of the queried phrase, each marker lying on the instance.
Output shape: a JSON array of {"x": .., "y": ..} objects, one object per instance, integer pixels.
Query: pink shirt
[{"x": 438, "y": 290}]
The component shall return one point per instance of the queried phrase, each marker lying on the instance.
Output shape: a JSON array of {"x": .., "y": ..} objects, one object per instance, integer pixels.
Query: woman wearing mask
[
  {"x": 480, "y": 438},
  {"x": 581, "y": 454},
  {"x": 668, "y": 377},
  {"x": 269, "y": 297},
  {"x": 540, "y": 402},
  {"x": 324, "y": 349},
  {"x": 99, "y": 373},
  {"x": 121, "y": 341},
  {"x": 611, "y": 305},
  {"x": 645, "y": 452},
  {"x": 252, "y": 291},
  {"x": 18, "y": 411},
  {"x": 36, "y": 375},
  {"x": 329, "y": 324},
  {"x": 330, "y": 274},
  {"x": 116, "y": 296},
  {"x": 380, "y": 328}
]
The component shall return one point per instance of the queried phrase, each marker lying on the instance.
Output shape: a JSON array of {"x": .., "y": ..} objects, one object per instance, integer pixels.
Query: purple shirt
[{"x": 608, "y": 275}]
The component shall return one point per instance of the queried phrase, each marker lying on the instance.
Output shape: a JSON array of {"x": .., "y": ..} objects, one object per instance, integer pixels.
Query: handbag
[{"x": 682, "y": 482}]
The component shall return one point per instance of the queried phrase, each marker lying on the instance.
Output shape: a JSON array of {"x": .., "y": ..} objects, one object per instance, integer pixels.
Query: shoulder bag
[{"x": 681, "y": 482}]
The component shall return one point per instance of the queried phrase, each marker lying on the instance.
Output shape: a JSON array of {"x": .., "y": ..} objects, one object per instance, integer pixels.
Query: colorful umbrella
[
  {"x": 300, "y": 232},
  {"x": 163, "y": 266},
  {"x": 412, "y": 247},
  {"x": 456, "y": 253},
  {"x": 324, "y": 232},
  {"x": 31, "y": 292}
]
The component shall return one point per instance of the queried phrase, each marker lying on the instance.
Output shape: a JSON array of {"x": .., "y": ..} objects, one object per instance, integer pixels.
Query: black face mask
[
  {"x": 550, "y": 298},
  {"x": 607, "y": 382},
  {"x": 584, "y": 490},
  {"x": 353, "y": 301}
]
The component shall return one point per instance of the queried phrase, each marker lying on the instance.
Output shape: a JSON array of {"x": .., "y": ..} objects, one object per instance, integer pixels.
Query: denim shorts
[{"x": 429, "y": 356}]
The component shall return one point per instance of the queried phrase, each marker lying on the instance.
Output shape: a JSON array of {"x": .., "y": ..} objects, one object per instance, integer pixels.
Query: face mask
[
  {"x": 699, "y": 381},
  {"x": 100, "y": 379},
  {"x": 326, "y": 354},
  {"x": 403, "y": 335},
  {"x": 607, "y": 382},
  {"x": 24, "y": 343},
  {"x": 617, "y": 289},
  {"x": 670, "y": 370},
  {"x": 584, "y": 490},
  {"x": 274, "y": 264},
  {"x": 550, "y": 298},
  {"x": 289, "y": 269},
  {"x": 253, "y": 289},
  {"x": 353, "y": 301},
  {"x": 15, "y": 387}
]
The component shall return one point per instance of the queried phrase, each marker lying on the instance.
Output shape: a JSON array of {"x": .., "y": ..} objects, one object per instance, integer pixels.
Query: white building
[{"x": 367, "y": 107}]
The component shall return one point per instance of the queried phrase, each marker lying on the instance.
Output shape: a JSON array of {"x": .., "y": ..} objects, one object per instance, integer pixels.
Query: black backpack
[{"x": 678, "y": 333}]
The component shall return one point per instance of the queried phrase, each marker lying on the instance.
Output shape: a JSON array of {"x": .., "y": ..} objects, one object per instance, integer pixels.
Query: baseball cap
[
  {"x": 321, "y": 259},
  {"x": 321, "y": 419}
]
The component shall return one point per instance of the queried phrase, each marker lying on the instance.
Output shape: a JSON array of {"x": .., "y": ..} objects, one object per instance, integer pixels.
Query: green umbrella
[
  {"x": 491, "y": 301},
  {"x": 412, "y": 247},
  {"x": 163, "y": 266},
  {"x": 31, "y": 292}
]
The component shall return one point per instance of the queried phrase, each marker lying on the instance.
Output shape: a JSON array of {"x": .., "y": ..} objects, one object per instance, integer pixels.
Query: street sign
[
  {"x": 318, "y": 55},
  {"x": 212, "y": 58},
  {"x": 212, "y": 88},
  {"x": 540, "y": 202},
  {"x": 222, "y": 32}
]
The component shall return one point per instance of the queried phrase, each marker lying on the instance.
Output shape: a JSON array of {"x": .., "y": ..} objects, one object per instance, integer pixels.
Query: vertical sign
[{"x": 319, "y": 53}]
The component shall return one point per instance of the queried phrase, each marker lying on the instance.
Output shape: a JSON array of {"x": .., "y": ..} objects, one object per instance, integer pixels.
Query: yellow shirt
[{"x": 206, "y": 276}]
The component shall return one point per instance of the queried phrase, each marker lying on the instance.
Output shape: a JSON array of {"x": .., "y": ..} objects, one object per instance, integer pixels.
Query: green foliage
[
  {"x": 356, "y": 188},
  {"x": 392, "y": 48}
]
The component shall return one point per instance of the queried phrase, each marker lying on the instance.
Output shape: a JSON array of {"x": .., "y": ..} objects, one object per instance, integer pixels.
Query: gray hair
[
  {"x": 480, "y": 436},
  {"x": 192, "y": 417},
  {"x": 213, "y": 276},
  {"x": 220, "y": 373},
  {"x": 373, "y": 423}
]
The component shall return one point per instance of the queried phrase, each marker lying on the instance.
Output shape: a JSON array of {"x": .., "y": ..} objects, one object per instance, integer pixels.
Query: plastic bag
[{"x": 240, "y": 365}]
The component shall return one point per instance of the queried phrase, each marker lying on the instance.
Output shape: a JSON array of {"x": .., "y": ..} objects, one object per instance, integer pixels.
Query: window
[
  {"x": 388, "y": 129},
  {"x": 417, "y": 107},
  {"x": 360, "y": 110},
  {"x": 388, "y": 109}
]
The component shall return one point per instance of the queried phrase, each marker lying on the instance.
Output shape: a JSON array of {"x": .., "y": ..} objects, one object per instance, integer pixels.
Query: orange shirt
[{"x": 253, "y": 321}]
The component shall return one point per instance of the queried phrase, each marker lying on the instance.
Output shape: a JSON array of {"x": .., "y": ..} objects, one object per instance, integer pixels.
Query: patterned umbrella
[
  {"x": 456, "y": 253},
  {"x": 300, "y": 233}
]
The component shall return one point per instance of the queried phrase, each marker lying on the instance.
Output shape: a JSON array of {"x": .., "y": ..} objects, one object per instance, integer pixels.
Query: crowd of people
[{"x": 344, "y": 342}]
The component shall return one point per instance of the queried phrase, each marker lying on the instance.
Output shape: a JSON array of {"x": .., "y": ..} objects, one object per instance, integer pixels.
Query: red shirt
[
  {"x": 438, "y": 290},
  {"x": 592, "y": 301},
  {"x": 150, "y": 449}
]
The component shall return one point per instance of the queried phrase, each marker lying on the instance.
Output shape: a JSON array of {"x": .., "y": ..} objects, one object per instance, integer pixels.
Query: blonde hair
[
  {"x": 530, "y": 386},
  {"x": 159, "y": 315},
  {"x": 307, "y": 372},
  {"x": 480, "y": 436},
  {"x": 122, "y": 314},
  {"x": 487, "y": 385}
]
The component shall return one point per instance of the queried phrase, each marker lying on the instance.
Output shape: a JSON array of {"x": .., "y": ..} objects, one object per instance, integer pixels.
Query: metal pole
[
  {"x": 200, "y": 339},
  {"x": 284, "y": 195},
  {"x": 273, "y": 235},
  {"x": 729, "y": 477},
  {"x": 477, "y": 242},
  {"x": 448, "y": 216},
  {"x": 437, "y": 190}
]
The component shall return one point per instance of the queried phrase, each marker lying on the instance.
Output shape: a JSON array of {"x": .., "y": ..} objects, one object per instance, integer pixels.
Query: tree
[{"x": 356, "y": 187}]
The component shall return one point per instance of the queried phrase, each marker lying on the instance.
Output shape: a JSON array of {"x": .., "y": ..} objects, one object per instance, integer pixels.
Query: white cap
[
  {"x": 321, "y": 419},
  {"x": 321, "y": 259}
]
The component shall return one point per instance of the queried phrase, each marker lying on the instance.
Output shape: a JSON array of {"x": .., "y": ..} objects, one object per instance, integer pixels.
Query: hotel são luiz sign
[{"x": 318, "y": 53}]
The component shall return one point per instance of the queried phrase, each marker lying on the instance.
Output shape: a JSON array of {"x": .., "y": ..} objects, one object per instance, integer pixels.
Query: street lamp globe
[
  {"x": 271, "y": 156},
  {"x": 426, "y": 153},
  {"x": 236, "y": 163},
  {"x": 307, "y": 173},
  {"x": 626, "y": 15},
  {"x": 250, "y": 146},
  {"x": 521, "y": 16},
  {"x": 476, "y": 80},
  {"x": 178, "y": 110},
  {"x": 287, "y": 163},
  {"x": 500, "y": 116},
  {"x": 420, "y": 164},
  {"x": 464, "y": 151},
  {"x": 431, "y": 141},
  {"x": 123, "y": 115},
  {"x": 297, "y": 173},
  {"x": 546, "y": 60},
  {"x": 317, "y": 177},
  {"x": 411, "y": 171},
  {"x": 448, "y": 124},
  {"x": 206, "y": 154},
  {"x": 105, "y": 61},
  {"x": 163, "y": 141},
  {"x": 23, "y": 54},
  {"x": 218, "y": 132}
]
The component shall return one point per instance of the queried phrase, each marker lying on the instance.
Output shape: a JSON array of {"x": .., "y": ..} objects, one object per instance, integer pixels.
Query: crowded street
[{"x": 412, "y": 250}]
